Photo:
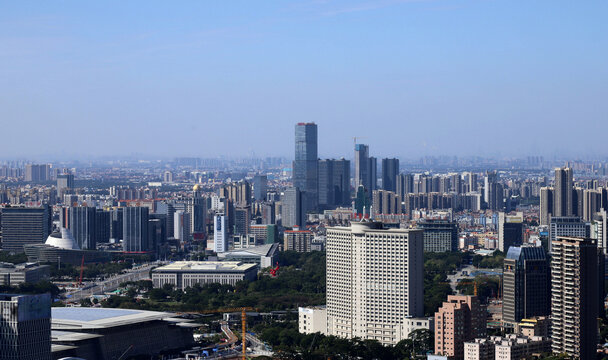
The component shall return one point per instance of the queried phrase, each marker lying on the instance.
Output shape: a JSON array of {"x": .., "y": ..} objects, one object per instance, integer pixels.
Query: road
[{"x": 111, "y": 284}]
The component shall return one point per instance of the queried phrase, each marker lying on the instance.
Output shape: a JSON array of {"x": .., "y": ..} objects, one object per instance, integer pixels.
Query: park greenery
[
  {"x": 13, "y": 259},
  {"x": 494, "y": 261},
  {"x": 437, "y": 266},
  {"x": 32, "y": 288},
  {"x": 90, "y": 271}
]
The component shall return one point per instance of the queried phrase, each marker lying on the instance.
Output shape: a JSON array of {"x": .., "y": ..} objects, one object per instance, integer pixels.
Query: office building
[
  {"x": 260, "y": 186},
  {"x": 592, "y": 203},
  {"x": 362, "y": 167},
  {"x": 546, "y": 205},
  {"x": 390, "y": 170},
  {"x": 458, "y": 320},
  {"x": 61, "y": 248},
  {"x": 574, "y": 297},
  {"x": 334, "y": 183},
  {"x": 405, "y": 185},
  {"x": 197, "y": 208},
  {"x": 385, "y": 202},
  {"x": 562, "y": 193},
  {"x": 305, "y": 166},
  {"x": 364, "y": 297},
  {"x": 135, "y": 229},
  {"x": 14, "y": 275},
  {"x": 292, "y": 212},
  {"x": 264, "y": 233},
  {"x": 439, "y": 235},
  {"x": 25, "y": 327},
  {"x": 220, "y": 233},
  {"x": 82, "y": 224},
  {"x": 102, "y": 226},
  {"x": 242, "y": 220},
  {"x": 510, "y": 230},
  {"x": 510, "y": 347},
  {"x": 37, "y": 172},
  {"x": 312, "y": 320},
  {"x": 263, "y": 255},
  {"x": 24, "y": 225},
  {"x": 490, "y": 178},
  {"x": 297, "y": 240},
  {"x": 526, "y": 284},
  {"x": 181, "y": 226},
  {"x": 185, "y": 274},
  {"x": 65, "y": 183},
  {"x": 567, "y": 226}
]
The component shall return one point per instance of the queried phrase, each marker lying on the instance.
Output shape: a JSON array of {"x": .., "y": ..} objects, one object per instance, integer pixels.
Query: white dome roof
[{"x": 63, "y": 240}]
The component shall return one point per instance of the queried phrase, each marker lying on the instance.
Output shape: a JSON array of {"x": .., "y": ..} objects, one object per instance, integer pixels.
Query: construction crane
[{"x": 469, "y": 282}]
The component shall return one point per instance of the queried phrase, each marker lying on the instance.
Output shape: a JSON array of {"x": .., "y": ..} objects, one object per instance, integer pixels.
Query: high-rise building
[
  {"x": 64, "y": 182},
  {"x": 510, "y": 230},
  {"x": 25, "y": 327},
  {"x": 365, "y": 298},
  {"x": 473, "y": 182},
  {"x": 362, "y": 164},
  {"x": 135, "y": 229},
  {"x": 24, "y": 225},
  {"x": 297, "y": 240},
  {"x": 373, "y": 173},
  {"x": 439, "y": 235},
  {"x": 567, "y": 226},
  {"x": 305, "y": 166},
  {"x": 390, "y": 169},
  {"x": 37, "y": 172},
  {"x": 592, "y": 203},
  {"x": 260, "y": 185},
  {"x": 197, "y": 208},
  {"x": 574, "y": 297},
  {"x": 526, "y": 284},
  {"x": 242, "y": 220},
  {"x": 82, "y": 223},
  {"x": 292, "y": 213},
  {"x": 102, "y": 226},
  {"x": 458, "y": 320},
  {"x": 405, "y": 185},
  {"x": 562, "y": 194},
  {"x": 181, "y": 226},
  {"x": 220, "y": 233},
  {"x": 334, "y": 183},
  {"x": 599, "y": 229},
  {"x": 546, "y": 205},
  {"x": 385, "y": 202},
  {"x": 490, "y": 179}
]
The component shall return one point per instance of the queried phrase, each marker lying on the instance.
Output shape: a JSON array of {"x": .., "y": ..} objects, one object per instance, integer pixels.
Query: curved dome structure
[{"x": 62, "y": 240}]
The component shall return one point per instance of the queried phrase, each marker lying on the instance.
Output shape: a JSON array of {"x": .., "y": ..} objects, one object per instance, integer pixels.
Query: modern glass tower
[{"x": 305, "y": 166}]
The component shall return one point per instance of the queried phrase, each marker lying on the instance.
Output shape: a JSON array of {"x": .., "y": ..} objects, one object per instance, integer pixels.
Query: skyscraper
[
  {"x": 24, "y": 225},
  {"x": 64, "y": 182},
  {"x": 510, "y": 230},
  {"x": 390, "y": 169},
  {"x": 135, "y": 229},
  {"x": 546, "y": 205},
  {"x": 220, "y": 234},
  {"x": 365, "y": 298},
  {"x": 82, "y": 224},
  {"x": 562, "y": 195},
  {"x": 25, "y": 327},
  {"x": 405, "y": 185},
  {"x": 260, "y": 184},
  {"x": 362, "y": 171},
  {"x": 460, "y": 319},
  {"x": 439, "y": 235},
  {"x": 305, "y": 166},
  {"x": 292, "y": 214},
  {"x": 526, "y": 288},
  {"x": 334, "y": 183},
  {"x": 181, "y": 226},
  {"x": 569, "y": 226},
  {"x": 574, "y": 297}
]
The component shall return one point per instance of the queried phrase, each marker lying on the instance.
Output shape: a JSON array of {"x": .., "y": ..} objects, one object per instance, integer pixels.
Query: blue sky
[{"x": 209, "y": 78}]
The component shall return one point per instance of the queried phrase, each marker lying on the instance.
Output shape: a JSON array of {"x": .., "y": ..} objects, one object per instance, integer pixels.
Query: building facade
[
  {"x": 458, "y": 320},
  {"x": 305, "y": 166}
]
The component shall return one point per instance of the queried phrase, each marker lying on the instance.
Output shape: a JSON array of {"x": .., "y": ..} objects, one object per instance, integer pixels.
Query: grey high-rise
[
  {"x": 135, "y": 229},
  {"x": 260, "y": 184},
  {"x": 334, "y": 183},
  {"x": 562, "y": 194},
  {"x": 362, "y": 172},
  {"x": 567, "y": 226},
  {"x": 305, "y": 165},
  {"x": 390, "y": 169},
  {"x": 24, "y": 225},
  {"x": 526, "y": 290},
  {"x": 546, "y": 205},
  {"x": 83, "y": 225},
  {"x": 292, "y": 213}
]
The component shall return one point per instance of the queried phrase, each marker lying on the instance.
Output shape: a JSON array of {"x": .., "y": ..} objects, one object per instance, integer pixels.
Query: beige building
[
  {"x": 479, "y": 349},
  {"x": 297, "y": 240},
  {"x": 460, "y": 319},
  {"x": 184, "y": 274},
  {"x": 374, "y": 281},
  {"x": 312, "y": 320}
]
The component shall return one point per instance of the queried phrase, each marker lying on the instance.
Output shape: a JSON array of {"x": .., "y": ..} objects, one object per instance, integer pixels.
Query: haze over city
[{"x": 411, "y": 78}]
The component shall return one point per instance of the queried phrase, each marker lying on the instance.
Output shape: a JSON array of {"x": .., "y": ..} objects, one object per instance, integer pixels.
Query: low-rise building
[
  {"x": 479, "y": 349},
  {"x": 536, "y": 326},
  {"x": 13, "y": 275},
  {"x": 411, "y": 324},
  {"x": 263, "y": 255},
  {"x": 511, "y": 347},
  {"x": 312, "y": 320},
  {"x": 184, "y": 274}
]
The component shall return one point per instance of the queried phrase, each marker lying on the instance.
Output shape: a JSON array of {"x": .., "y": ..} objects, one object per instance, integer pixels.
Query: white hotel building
[{"x": 374, "y": 281}]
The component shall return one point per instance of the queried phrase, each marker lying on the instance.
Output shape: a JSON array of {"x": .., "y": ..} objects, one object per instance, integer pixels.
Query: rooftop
[
  {"x": 203, "y": 266},
  {"x": 261, "y": 250},
  {"x": 91, "y": 318}
]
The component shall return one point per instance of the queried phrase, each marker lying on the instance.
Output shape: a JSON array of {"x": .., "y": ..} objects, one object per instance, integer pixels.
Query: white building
[
  {"x": 511, "y": 347},
  {"x": 184, "y": 274},
  {"x": 374, "y": 281},
  {"x": 181, "y": 225},
  {"x": 220, "y": 234},
  {"x": 312, "y": 320},
  {"x": 411, "y": 324}
]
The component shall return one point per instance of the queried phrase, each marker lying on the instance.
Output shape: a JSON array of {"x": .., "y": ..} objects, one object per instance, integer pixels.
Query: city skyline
[{"x": 435, "y": 73}]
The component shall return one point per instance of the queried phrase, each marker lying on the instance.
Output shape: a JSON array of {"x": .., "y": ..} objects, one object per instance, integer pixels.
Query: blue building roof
[
  {"x": 89, "y": 314},
  {"x": 526, "y": 253}
]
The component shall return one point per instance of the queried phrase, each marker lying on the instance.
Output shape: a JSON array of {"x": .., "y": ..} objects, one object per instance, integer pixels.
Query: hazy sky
[{"x": 209, "y": 78}]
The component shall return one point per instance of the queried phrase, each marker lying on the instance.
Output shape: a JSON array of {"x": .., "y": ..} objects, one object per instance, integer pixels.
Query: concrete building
[
  {"x": 263, "y": 255},
  {"x": 106, "y": 334},
  {"x": 439, "y": 235},
  {"x": 574, "y": 296},
  {"x": 260, "y": 187},
  {"x": 546, "y": 205},
  {"x": 312, "y": 320},
  {"x": 479, "y": 349},
  {"x": 13, "y": 275},
  {"x": 510, "y": 230},
  {"x": 293, "y": 213},
  {"x": 25, "y": 327},
  {"x": 390, "y": 170},
  {"x": 334, "y": 183},
  {"x": 458, "y": 320},
  {"x": 405, "y": 185},
  {"x": 567, "y": 226},
  {"x": 536, "y": 326},
  {"x": 37, "y": 172},
  {"x": 305, "y": 165},
  {"x": 411, "y": 324},
  {"x": 65, "y": 182},
  {"x": 181, "y": 226},
  {"x": 264, "y": 233},
  {"x": 511, "y": 347},
  {"x": 184, "y": 274},
  {"x": 365, "y": 296},
  {"x": 24, "y": 225},
  {"x": 220, "y": 234},
  {"x": 562, "y": 193},
  {"x": 297, "y": 240},
  {"x": 135, "y": 229},
  {"x": 526, "y": 284}
]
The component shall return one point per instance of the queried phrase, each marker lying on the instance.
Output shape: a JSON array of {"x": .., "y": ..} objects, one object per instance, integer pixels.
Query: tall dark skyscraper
[
  {"x": 334, "y": 183},
  {"x": 24, "y": 225},
  {"x": 526, "y": 289},
  {"x": 82, "y": 224},
  {"x": 562, "y": 193},
  {"x": 390, "y": 169},
  {"x": 362, "y": 174},
  {"x": 135, "y": 229},
  {"x": 260, "y": 185},
  {"x": 305, "y": 165}
]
